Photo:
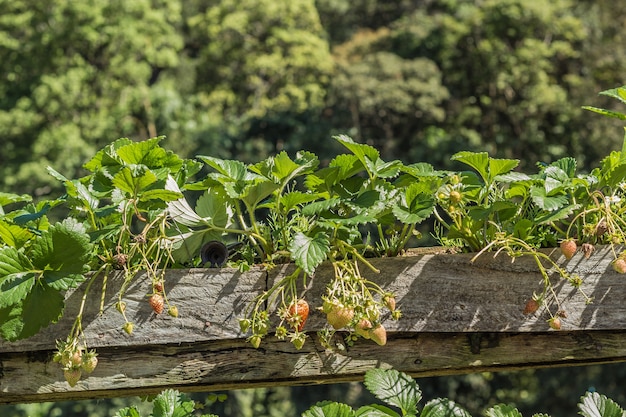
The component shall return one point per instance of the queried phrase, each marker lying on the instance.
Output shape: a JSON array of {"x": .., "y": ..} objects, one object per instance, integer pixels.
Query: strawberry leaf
[
  {"x": 213, "y": 207},
  {"x": 10, "y": 198},
  {"x": 159, "y": 194},
  {"x": 618, "y": 93},
  {"x": 62, "y": 253},
  {"x": 150, "y": 154},
  {"x": 503, "y": 410},
  {"x": 415, "y": 205},
  {"x": 596, "y": 405},
  {"x": 281, "y": 169},
  {"x": 14, "y": 235},
  {"x": 381, "y": 169},
  {"x": 132, "y": 182},
  {"x": 501, "y": 167},
  {"x": 545, "y": 202},
  {"x": 16, "y": 276},
  {"x": 477, "y": 160},
  {"x": 377, "y": 410},
  {"x": 395, "y": 388},
  {"x": 360, "y": 150},
  {"x": 291, "y": 200},
  {"x": 15, "y": 287},
  {"x": 329, "y": 409},
  {"x": 308, "y": 252},
  {"x": 42, "y": 306},
  {"x": 170, "y": 403},
  {"x": 255, "y": 193},
  {"x": 127, "y": 412},
  {"x": 442, "y": 407},
  {"x": 229, "y": 170},
  {"x": 107, "y": 156}
]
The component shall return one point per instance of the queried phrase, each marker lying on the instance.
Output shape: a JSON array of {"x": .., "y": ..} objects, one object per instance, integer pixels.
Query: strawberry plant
[
  {"x": 132, "y": 213},
  {"x": 400, "y": 396}
]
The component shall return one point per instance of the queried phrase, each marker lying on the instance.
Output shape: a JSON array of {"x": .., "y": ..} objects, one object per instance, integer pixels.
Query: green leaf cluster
[
  {"x": 38, "y": 263},
  {"x": 401, "y": 392},
  {"x": 169, "y": 403}
]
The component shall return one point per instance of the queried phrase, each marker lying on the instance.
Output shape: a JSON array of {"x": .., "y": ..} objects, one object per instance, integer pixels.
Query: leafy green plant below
[{"x": 400, "y": 396}]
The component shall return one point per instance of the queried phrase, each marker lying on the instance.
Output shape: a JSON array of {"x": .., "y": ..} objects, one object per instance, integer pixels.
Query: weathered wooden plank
[
  {"x": 230, "y": 364},
  {"x": 445, "y": 300}
]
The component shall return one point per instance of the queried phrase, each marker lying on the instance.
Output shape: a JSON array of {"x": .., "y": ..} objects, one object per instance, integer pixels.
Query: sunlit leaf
[
  {"x": 394, "y": 388},
  {"x": 503, "y": 410},
  {"x": 594, "y": 404},
  {"x": 14, "y": 235},
  {"x": 501, "y": 166},
  {"x": 442, "y": 407},
  {"x": 360, "y": 150},
  {"x": 308, "y": 252},
  {"x": 477, "y": 160},
  {"x": 214, "y": 208},
  {"x": 62, "y": 253},
  {"x": 329, "y": 409},
  {"x": 131, "y": 182}
]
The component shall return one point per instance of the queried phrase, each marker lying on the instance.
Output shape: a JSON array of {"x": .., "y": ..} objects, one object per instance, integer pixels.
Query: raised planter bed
[{"x": 458, "y": 316}]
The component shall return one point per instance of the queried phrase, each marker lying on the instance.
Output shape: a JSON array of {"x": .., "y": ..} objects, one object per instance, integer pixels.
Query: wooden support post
[{"x": 458, "y": 316}]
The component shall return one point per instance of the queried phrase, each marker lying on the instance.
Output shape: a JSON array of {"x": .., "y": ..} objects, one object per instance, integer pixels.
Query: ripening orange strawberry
[
  {"x": 568, "y": 248},
  {"x": 531, "y": 306},
  {"x": 555, "y": 323},
  {"x": 299, "y": 311},
  {"x": 619, "y": 265},
  {"x": 157, "y": 303}
]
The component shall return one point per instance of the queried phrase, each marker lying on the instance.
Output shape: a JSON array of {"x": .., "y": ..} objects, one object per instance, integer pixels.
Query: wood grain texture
[{"x": 458, "y": 316}]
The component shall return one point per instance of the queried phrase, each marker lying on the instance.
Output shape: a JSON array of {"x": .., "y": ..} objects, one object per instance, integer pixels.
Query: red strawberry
[
  {"x": 72, "y": 376},
  {"x": 157, "y": 303},
  {"x": 298, "y": 312},
  {"x": 531, "y": 306},
  {"x": 340, "y": 316},
  {"x": 379, "y": 335},
  {"x": 158, "y": 286},
  {"x": 568, "y": 248},
  {"x": 619, "y": 265}
]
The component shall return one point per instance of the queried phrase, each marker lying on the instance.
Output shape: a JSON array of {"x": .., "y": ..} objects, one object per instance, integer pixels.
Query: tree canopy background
[{"x": 243, "y": 79}]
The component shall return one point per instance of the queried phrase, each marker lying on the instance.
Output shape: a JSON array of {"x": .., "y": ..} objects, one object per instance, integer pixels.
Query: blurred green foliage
[{"x": 246, "y": 79}]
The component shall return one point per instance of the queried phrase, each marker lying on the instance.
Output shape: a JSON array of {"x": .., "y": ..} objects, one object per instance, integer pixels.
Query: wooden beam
[{"x": 458, "y": 317}]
